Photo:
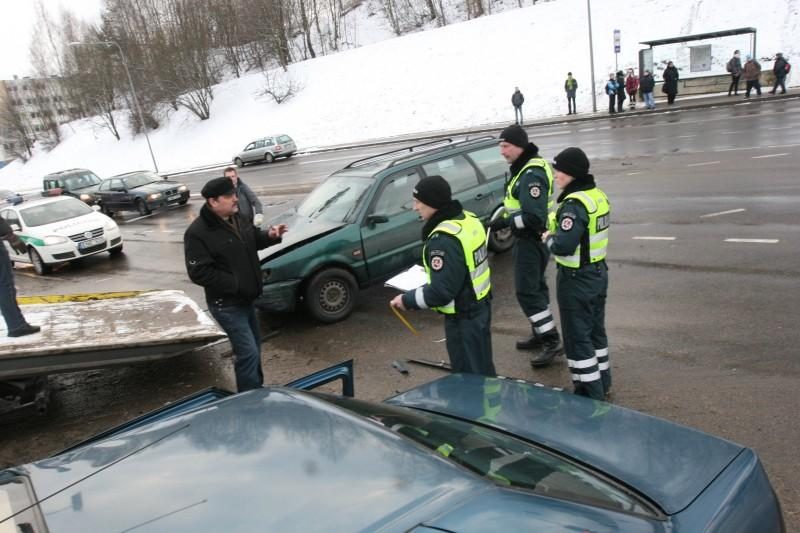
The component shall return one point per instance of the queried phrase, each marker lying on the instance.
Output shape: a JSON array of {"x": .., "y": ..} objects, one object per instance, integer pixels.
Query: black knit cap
[
  {"x": 217, "y": 187},
  {"x": 433, "y": 191},
  {"x": 572, "y": 161},
  {"x": 514, "y": 134}
]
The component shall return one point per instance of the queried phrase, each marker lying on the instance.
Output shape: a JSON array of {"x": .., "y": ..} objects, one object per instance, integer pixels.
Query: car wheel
[
  {"x": 331, "y": 295},
  {"x": 117, "y": 250},
  {"x": 141, "y": 206},
  {"x": 289, "y": 155},
  {"x": 269, "y": 158},
  {"x": 106, "y": 211},
  {"x": 183, "y": 202},
  {"x": 39, "y": 266},
  {"x": 238, "y": 162},
  {"x": 502, "y": 240}
]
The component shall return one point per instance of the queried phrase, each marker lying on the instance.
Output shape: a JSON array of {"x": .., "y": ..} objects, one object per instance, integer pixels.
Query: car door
[
  {"x": 464, "y": 181},
  {"x": 116, "y": 193},
  {"x": 247, "y": 153},
  {"x": 391, "y": 229},
  {"x": 11, "y": 216}
]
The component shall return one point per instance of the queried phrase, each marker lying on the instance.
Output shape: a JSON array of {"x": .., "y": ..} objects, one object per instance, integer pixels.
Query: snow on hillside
[{"x": 457, "y": 76}]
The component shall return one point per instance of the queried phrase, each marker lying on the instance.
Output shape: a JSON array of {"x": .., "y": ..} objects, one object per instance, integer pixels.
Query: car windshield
[
  {"x": 505, "y": 460},
  {"x": 66, "y": 208},
  {"x": 335, "y": 199},
  {"x": 137, "y": 180},
  {"x": 80, "y": 181}
]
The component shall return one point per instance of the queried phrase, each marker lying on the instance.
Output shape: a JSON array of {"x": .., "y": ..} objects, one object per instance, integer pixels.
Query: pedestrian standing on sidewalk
[
  {"x": 620, "y": 91},
  {"x": 670, "y": 86},
  {"x": 752, "y": 76},
  {"x": 780, "y": 69},
  {"x": 517, "y": 100},
  {"x": 632, "y": 87},
  {"x": 570, "y": 87},
  {"x": 647, "y": 84},
  {"x": 16, "y": 325},
  {"x": 611, "y": 91},
  {"x": 734, "y": 66}
]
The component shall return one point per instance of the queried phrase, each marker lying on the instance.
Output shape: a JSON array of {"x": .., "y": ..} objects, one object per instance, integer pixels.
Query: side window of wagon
[
  {"x": 395, "y": 195},
  {"x": 490, "y": 162},
  {"x": 458, "y": 172}
]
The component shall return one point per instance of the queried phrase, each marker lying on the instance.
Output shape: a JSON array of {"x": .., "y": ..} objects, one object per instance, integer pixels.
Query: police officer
[
  {"x": 529, "y": 196},
  {"x": 579, "y": 240},
  {"x": 455, "y": 257}
]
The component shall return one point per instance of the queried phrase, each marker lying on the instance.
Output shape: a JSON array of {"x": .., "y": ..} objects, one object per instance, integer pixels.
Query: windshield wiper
[{"x": 328, "y": 203}]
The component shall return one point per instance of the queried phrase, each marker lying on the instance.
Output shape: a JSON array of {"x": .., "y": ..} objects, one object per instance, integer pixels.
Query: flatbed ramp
[{"x": 81, "y": 332}]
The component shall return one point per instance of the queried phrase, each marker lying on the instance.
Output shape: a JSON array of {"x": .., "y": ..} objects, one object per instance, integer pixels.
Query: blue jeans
[
  {"x": 518, "y": 114},
  {"x": 241, "y": 325},
  {"x": 649, "y": 102},
  {"x": 8, "y": 293}
]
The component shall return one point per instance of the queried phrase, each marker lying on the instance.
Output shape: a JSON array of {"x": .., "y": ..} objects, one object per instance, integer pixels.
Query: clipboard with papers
[{"x": 409, "y": 279}]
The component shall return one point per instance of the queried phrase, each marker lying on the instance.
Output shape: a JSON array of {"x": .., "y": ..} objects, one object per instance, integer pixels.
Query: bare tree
[
  {"x": 91, "y": 74},
  {"x": 280, "y": 86},
  {"x": 16, "y": 125}
]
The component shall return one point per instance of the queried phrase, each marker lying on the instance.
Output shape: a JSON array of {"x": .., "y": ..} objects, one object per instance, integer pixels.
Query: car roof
[
  {"x": 44, "y": 201},
  {"x": 669, "y": 463},
  {"x": 128, "y": 174},
  {"x": 257, "y": 461},
  {"x": 68, "y": 171}
]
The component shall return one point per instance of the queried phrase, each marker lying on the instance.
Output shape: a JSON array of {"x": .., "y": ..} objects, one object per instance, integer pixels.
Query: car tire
[
  {"x": 238, "y": 162},
  {"x": 39, "y": 266},
  {"x": 501, "y": 241},
  {"x": 115, "y": 251},
  {"x": 183, "y": 202},
  {"x": 289, "y": 155},
  {"x": 106, "y": 211},
  {"x": 141, "y": 206},
  {"x": 269, "y": 158},
  {"x": 330, "y": 296}
]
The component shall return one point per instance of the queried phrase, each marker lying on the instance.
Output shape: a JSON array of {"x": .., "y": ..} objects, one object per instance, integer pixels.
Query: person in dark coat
[
  {"x": 735, "y": 68},
  {"x": 16, "y": 325},
  {"x": 620, "y": 90},
  {"x": 221, "y": 253},
  {"x": 752, "y": 75},
  {"x": 646, "y": 85},
  {"x": 570, "y": 87},
  {"x": 670, "y": 86},
  {"x": 611, "y": 91},
  {"x": 517, "y": 100},
  {"x": 779, "y": 69},
  {"x": 250, "y": 207}
]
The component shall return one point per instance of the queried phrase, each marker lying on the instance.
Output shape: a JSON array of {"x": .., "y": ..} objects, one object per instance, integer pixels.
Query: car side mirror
[
  {"x": 377, "y": 219},
  {"x": 95, "y": 208},
  {"x": 15, "y": 227}
]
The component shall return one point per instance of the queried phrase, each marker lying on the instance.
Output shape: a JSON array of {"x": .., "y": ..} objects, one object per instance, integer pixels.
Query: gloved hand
[
  {"x": 500, "y": 223},
  {"x": 258, "y": 219},
  {"x": 17, "y": 244}
]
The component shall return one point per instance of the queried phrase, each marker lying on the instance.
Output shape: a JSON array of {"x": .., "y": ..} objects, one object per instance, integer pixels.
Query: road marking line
[
  {"x": 633, "y": 173},
  {"x": 730, "y": 132},
  {"x": 653, "y": 238},
  {"x": 326, "y": 160},
  {"x": 701, "y": 164},
  {"x": 782, "y": 128},
  {"x": 647, "y": 140},
  {"x": 685, "y": 136},
  {"x": 554, "y": 133},
  {"x": 587, "y": 129},
  {"x": 723, "y": 212},
  {"x": 769, "y": 155},
  {"x": 757, "y": 241}
]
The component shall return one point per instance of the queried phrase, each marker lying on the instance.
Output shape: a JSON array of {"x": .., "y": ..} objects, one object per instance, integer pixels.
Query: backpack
[
  {"x": 787, "y": 67},
  {"x": 728, "y": 66}
]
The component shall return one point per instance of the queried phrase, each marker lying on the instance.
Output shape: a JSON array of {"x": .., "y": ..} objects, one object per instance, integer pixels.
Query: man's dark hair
[{"x": 229, "y": 169}]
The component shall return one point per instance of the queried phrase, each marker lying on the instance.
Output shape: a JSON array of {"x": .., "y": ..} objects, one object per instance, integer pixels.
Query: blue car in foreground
[{"x": 461, "y": 454}]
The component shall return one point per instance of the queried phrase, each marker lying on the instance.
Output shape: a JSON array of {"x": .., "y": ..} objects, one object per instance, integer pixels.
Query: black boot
[
  {"x": 533, "y": 342},
  {"x": 551, "y": 348},
  {"x": 27, "y": 329}
]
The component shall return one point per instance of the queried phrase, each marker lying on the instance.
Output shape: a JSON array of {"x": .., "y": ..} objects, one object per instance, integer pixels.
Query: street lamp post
[
  {"x": 591, "y": 55},
  {"x": 133, "y": 91}
]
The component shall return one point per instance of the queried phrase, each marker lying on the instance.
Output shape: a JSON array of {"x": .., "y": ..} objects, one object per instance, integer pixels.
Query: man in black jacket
[
  {"x": 779, "y": 69},
  {"x": 16, "y": 325},
  {"x": 517, "y": 100},
  {"x": 221, "y": 251}
]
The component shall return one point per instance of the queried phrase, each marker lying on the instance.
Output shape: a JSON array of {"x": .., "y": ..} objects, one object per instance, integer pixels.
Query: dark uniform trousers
[
  {"x": 530, "y": 261},
  {"x": 581, "y": 296},
  {"x": 469, "y": 339}
]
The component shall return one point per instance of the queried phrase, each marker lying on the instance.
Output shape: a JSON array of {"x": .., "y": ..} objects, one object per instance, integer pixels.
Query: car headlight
[
  {"x": 110, "y": 225},
  {"x": 86, "y": 197},
  {"x": 154, "y": 196},
  {"x": 55, "y": 239},
  {"x": 183, "y": 188}
]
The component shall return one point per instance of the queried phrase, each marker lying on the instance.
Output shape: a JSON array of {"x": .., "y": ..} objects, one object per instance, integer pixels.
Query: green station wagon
[{"x": 358, "y": 226}]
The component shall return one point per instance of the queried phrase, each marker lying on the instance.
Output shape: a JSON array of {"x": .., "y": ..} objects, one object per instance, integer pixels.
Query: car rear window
[{"x": 501, "y": 458}]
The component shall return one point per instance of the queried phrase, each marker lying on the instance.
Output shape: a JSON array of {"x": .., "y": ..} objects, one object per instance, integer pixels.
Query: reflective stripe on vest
[
  {"x": 472, "y": 236},
  {"x": 513, "y": 205},
  {"x": 596, "y": 203}
]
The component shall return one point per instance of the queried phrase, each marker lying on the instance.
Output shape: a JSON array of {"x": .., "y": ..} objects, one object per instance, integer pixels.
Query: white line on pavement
[
  {"x": 326, "y": 160},
  {"x": 757, "y": 241},
  {"x": 701, "y": 164},
  {"x": 554, "y": 133},
  {"x": 648, "y": 139},
  {"x": 587, "y": 129},
  {"x": 769, "y": 155},
  {"x": 685, "y": 136},
  {"x": 633, "y": 173},
  {"x": 653, "y": 238},
  {"x": 783, "y": 128},
  {"x": 730, "y": 132},
  {"x": 723, "y": 212}
]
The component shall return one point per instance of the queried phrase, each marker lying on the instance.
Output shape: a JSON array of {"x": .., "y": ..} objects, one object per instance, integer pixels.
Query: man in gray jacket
[{"x": 250, "y": 208}]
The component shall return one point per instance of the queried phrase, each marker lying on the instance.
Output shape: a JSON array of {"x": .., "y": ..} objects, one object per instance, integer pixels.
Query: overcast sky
[{"x": 17, "y": 19}]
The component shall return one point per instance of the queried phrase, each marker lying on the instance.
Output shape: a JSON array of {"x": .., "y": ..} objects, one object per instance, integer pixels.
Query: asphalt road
[{"x": 702, "y": 313}]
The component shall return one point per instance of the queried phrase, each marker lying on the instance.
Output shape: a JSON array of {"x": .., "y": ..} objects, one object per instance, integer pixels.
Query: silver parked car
[{"x": 266, "y": 149}]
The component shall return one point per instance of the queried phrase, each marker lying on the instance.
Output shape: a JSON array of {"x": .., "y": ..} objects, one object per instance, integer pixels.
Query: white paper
[{"x": 408, "y": 279}]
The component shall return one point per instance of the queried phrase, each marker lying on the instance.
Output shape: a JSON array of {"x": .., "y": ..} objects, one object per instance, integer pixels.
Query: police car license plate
[
  {"x": 173, "y": 197},
  {"x": 88, "y": 243}
]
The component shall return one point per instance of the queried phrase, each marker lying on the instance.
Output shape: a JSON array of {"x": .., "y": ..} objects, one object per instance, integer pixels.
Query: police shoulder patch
[
  {"x": 437, "y": 262},
  {"x": 567, "y": 223},
  {"x": 536, "y": 191}
]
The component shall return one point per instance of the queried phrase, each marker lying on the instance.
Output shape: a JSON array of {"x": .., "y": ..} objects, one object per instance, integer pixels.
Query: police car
[{"x": 58, "y": 230}]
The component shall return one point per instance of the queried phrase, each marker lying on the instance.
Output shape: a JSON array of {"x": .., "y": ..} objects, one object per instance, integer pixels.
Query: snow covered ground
[{"x": 458, "y": 76}]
